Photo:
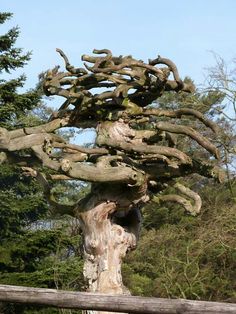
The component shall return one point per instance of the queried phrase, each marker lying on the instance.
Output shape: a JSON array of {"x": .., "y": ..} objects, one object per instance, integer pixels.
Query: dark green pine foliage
[
  {"x": 35, "y": 249},
  {"x": 180, "y": 256},
  {"x": 11, "y": 57},
  {"x": 12, "y": 103}
]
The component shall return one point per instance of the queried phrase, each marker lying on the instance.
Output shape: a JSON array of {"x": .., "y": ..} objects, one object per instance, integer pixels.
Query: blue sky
[{"x": 184, "y": 31}]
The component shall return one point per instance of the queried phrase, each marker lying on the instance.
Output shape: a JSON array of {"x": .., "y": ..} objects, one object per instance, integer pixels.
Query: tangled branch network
[{"x": 136, "y": 145}]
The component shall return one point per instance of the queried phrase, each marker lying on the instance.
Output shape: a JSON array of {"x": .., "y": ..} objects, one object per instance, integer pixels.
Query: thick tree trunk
[
  {"x": 110, "y": 224},
  {"x": 110, "y": 218}
]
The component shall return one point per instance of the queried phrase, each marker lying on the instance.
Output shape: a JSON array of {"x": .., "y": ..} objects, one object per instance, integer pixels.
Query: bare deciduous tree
[{"x": 135, "y": 152}]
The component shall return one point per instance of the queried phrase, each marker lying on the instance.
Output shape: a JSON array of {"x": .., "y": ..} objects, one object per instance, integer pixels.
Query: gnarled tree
[{"x": 135, "y": 155}]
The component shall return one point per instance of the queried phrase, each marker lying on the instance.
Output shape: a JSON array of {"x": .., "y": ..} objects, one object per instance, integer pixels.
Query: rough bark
[{"x": 110, "y": 220}]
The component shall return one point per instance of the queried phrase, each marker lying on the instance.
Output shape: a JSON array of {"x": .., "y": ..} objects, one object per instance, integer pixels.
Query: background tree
[
  {"x": 36, "y": 248},
  {"x": 222, "y": 78},
  {"x": 180, "y": 256},
  {"x": 13, "y": 105}
]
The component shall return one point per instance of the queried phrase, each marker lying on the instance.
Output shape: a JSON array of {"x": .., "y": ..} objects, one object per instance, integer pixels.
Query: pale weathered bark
[{"x": 110, "y": 220}]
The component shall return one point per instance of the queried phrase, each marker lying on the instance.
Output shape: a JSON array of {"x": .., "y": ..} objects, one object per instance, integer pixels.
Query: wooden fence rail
[{"x": 111, "y": 303}]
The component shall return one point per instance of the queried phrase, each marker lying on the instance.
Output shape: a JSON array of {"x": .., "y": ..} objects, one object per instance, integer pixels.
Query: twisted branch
[
  {"x": 40, "y": 177},
  {"x": 193, "y": 209},
  {"x": 180, "y": 129},
  {"x": 181, "y": 112},
  {"x": 122, "y": 73}
]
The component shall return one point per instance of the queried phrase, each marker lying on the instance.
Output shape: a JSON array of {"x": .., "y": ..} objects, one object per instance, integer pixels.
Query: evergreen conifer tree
[{"x": 29, "y": 255}]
